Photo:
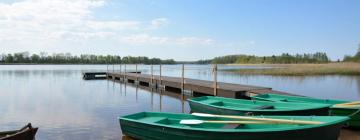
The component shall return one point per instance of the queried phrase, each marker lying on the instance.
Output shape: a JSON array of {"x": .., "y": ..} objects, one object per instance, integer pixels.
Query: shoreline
[{"x": 300, "y": 69}]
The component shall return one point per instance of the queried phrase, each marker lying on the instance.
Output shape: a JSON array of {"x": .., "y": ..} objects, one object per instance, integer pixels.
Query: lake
[{"x": 64, "y": 106}]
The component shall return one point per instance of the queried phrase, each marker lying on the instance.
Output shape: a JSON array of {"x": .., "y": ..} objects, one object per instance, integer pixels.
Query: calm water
[{"x": 56, "y": 99}]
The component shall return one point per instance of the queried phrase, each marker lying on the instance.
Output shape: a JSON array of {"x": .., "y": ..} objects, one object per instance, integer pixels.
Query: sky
[{"x": 180, "y": 29}]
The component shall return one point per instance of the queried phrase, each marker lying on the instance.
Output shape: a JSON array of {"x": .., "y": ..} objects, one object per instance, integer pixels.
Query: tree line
[
  {"x": 354, "y": 58},
  {"x": 284, "y": 58},
  {"x": 67, "y": 58}
]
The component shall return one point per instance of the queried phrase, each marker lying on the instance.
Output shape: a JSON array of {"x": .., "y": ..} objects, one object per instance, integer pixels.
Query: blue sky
[{"x": 180, "y": 29}]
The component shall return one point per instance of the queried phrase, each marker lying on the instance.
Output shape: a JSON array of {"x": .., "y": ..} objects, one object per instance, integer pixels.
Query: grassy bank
[{"x": 301, "y": 69}]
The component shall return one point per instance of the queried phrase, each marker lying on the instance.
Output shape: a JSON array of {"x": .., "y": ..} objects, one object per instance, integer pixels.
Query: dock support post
[
  {"x": 113, "y": 67},
  {"x": 215, "y": 79},
  {"x": 182, "y": 79}
]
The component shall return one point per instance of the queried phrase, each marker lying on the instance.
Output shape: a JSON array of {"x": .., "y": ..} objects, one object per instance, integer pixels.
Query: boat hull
[
  {"x": 202, "y": 108},
  {"x": 354, "y": 114},
  {"x": 145, "y": 131},
  {"x": 26, "y": 133}
]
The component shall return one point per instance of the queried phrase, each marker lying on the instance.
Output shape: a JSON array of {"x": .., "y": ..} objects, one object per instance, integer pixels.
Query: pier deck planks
[{"x": 197, "y": 86}]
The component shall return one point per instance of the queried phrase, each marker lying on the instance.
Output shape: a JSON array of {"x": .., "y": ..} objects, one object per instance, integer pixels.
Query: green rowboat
[
  {"x": 167, "y": 126},
  {"x": 352, "y": 112},
  {"x": 228, "y": 106}
]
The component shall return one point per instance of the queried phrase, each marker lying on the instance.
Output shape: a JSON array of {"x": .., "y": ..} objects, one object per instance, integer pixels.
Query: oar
[
  {"x": 259, "y": 119},
  {"x": 223, "y": 122},
  {"x": 351, "y": 104}
]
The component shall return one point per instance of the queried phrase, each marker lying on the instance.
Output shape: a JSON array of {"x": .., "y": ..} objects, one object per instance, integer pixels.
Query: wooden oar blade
[
  {"x": 191, "y": 122},
  {"x": 203, "y": 115}
]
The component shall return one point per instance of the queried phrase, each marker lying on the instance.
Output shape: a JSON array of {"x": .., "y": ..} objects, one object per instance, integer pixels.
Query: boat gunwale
[
  {"x": 340, "y": 119},
  {"x": 318, "y": 106},
  {"x": 261, "y": 98}
]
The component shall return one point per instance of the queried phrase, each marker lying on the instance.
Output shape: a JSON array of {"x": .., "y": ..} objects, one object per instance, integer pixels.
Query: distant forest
[
  {"x": 67, "y": 58},
  {"x": 285, "y": 58}
]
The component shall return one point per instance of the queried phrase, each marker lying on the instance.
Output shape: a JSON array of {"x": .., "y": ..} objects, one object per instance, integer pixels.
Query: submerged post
[{"x": 215, "y": 79}]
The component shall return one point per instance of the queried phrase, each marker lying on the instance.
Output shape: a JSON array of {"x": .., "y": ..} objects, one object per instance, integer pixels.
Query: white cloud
[
  {"x": 159, "y": 22},
  {"x": 113, "y": 25},
  {"x": 194, "y": 40},
  {"x": 146, "y": 39},
  {"x": 47, "y": 22},
  {"x": 81, "y": 36},
  {"x": 36, "y": 18},
  {"x": 143, "y": 39}
]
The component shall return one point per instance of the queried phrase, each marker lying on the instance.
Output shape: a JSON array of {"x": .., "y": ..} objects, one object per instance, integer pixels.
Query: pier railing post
[
  {"x": 160, "y": 76},
  {"x": 124, "y": 73},
  {"x": 215, "y": 79},
  {"x": 136, "y": 72},
  {"x": 120, "y": 68},
  {"x": 152, "y": 75},
  {"x": 107, "y": 67},
  {"x": 120, "y": 72},
  {"x": 182, "y": 79}
]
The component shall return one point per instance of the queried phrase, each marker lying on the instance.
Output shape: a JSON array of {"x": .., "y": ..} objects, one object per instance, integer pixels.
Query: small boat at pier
[
  {"x": 337, "y": 107},
  {"x": 171, "y": 126},
  {"x": 228, "y": 106}
]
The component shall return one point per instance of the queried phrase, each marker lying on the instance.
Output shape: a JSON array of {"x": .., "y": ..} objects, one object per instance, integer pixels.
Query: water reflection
[
  {"x": 358, "y": 85},
  {"x": 64, "y": 106}
]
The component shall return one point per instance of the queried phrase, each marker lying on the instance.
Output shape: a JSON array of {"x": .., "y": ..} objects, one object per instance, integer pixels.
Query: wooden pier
[
  {"x": 181, "y": 84},
  {"x": 196, "y": 87}
]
